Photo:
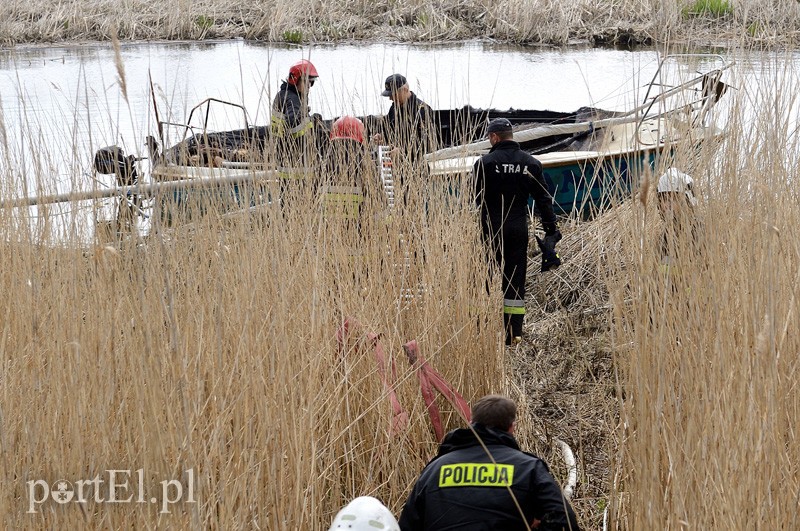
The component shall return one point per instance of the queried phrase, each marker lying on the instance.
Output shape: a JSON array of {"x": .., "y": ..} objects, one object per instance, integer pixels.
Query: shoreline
[{"x": 568, "y": 23}]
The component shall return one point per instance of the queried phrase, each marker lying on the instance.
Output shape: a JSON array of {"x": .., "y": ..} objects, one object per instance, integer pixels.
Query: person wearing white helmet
[
  {"x": 676, "y": 204},
  {"x": 365, "y": 513},
  {"x": 674, "y": 181}
]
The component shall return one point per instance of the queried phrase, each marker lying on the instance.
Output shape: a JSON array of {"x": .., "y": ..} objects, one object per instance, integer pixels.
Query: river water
[{"x": 59, "y": 104}]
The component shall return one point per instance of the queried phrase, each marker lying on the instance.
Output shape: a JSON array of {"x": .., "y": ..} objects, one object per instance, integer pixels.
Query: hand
[
  {"x": 550, "y": 258},
  {"x": 551, "y": 239},
  {"x": 377, "y": 138}
]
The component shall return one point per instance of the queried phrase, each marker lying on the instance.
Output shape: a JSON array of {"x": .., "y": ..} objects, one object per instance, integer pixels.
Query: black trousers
[{"x": 510, "y": 250}]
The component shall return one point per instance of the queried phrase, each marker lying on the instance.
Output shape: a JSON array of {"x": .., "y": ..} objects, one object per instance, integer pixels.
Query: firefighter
[
  {"x": 364, "y": 513},
  {"x": 504, "y": 179},
  {"x": 292, "y": 125},
  {"x": 676, "y": 202},
  {"x": 348, "y": 167},
  {"x": 480, "y": 479}
]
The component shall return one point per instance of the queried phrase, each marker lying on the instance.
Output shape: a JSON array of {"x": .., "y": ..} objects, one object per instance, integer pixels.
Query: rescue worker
[
  {"x": 348, "y": 168},
  {"x": 504, "y": 179},
  {"x": 480, "y": 479},
  {"x": 676, "y": 202},
  {"x": 365, "y": 513},
  {"x": 408, "y": 126},
  {"x": 292, "y": 126}
]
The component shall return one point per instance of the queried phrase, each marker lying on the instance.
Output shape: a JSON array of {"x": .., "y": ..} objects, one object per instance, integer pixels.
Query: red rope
[
  {"x": 399, "y": 417},
  {"x": 429, "y": 379}
]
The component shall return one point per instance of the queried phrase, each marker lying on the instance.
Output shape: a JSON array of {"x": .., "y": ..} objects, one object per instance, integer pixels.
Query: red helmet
[
  {"x": 348, "y": 127},
  {"x": 299, "y": 69}
]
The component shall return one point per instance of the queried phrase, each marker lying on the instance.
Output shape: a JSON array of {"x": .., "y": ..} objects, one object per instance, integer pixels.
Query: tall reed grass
[
  {"x": 708, "y": 360},
  {"x": 757, "y": 22},
  {"x": 210, "y": 346}
]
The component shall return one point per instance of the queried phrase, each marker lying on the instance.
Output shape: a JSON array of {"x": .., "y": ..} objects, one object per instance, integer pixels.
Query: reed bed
[
  {"x": 707, "y": 359},
  {"x": 755, "y": 22},
  {"x": 205, "y": 352}
]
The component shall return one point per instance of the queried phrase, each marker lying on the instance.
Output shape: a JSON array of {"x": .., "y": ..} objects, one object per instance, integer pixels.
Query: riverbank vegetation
[
  {"x": 553, "y": 22},
  {"x": 207, "y": 353}
]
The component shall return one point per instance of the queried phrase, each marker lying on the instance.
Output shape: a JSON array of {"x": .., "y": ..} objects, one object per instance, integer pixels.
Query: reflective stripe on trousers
[{"x": 514, "y": 306}]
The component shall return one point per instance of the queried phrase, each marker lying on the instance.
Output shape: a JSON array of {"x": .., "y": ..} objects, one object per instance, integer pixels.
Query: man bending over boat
[
  {"x": 504, "y": 179},
  {"x": 409, "y": 124},
  {"x": 348, "y": 172}
]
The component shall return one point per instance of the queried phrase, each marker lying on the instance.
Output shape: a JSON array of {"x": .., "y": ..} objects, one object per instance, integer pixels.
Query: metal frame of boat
[
  {"x": 588, "y": 157},
  {"x": 617, "y": 148}
]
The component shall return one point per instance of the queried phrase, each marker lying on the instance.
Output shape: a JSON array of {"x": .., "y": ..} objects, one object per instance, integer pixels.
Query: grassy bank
[
  {"x": 706, "y": 351},
  {"x": 754, "y": 22}
]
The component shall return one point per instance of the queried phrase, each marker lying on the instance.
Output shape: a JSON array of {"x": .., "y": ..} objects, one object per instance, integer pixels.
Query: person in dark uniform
[
  {"x": 504, "y": 179},
  {"x": 290, "y": 120},
  {"x": 481, "y": 480},
  {"x": 348, "y": 172},
  {"x": 295, "y": 130},
  {"x": 409, "y": 124}
]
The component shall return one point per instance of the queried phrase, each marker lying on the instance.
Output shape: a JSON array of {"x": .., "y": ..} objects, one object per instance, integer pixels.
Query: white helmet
[
  {"x": 365, "y": 513},
  {"x": 674, "y": 180}
]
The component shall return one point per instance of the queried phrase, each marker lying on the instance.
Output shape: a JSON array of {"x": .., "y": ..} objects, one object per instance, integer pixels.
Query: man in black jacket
[
  {"x": 482, "y": 481},
  {"x": 409, "y": 124},
  {"x": 291, "y": 124},
  {"x": 504, "y": 179}
]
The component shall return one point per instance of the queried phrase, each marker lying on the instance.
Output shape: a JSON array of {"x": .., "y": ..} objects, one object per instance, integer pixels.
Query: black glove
[{"x": 550, "y": 258}]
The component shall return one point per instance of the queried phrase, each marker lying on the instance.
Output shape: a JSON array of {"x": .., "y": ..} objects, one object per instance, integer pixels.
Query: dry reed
[
  {"x": 708, "y": 365},
  {"x": 756, "y": 22},
  {"x": 212, "y": 348}
]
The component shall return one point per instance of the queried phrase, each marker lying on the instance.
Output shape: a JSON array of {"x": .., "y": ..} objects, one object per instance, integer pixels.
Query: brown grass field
[
  {"x": 557, "y": 22},
  {"x": 207, "y": 353}
]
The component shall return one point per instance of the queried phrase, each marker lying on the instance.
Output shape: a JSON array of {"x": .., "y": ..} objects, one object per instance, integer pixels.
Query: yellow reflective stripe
[
  {"x": 305, "y": 126},
  {"x": 340, "y": 204},
  {"x": 476, "y": 475},
  {"x": 342, "y": 189},
  {"x": 294, "y": 175},
  {"x": 278, "y": 125},
  {"x": 344, "y": 198},
  {"x": 514, "y": 306}
]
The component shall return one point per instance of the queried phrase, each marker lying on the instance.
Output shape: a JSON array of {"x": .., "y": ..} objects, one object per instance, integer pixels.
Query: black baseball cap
[
  {"x": 393, "y": 84},
  {"x": 499, "y": 125}
]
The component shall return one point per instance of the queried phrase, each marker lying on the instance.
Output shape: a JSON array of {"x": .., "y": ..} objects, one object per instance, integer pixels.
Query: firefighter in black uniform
[
  {"x": 291, "y": 121},
  {"x": 348, "y": 172},
  {"x": 469, "y": 487},
  {"x": 293, "y": 127},
  {"x": 504, "y": 179}
]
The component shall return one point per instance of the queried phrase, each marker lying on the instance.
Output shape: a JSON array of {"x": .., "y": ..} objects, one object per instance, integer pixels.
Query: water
[
  {"x": 75, "y": 91},
  {"x": 59, "y": 104}
]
